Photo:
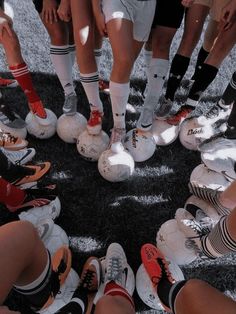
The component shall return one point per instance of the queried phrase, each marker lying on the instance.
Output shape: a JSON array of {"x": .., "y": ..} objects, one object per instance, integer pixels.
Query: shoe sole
[{"x": 37, "y": 176}]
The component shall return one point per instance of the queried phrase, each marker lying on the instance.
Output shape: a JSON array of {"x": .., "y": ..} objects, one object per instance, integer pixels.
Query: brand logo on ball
[
  {"x": 134, "y": 138},
  {"x": 195, "y": 131}
]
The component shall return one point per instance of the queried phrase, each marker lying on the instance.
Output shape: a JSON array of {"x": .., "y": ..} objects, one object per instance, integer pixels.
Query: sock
[
  {"x": 147, "y": 55},
  {"x": 61, "y": 60},
  {"x": 91, "y": 88},
  {"x": 178, "y": 69},
  {"x": 156, "y": 79},
  {"x": 23, "y": 77},
  {"x": 72, "y": 51},
  {"x": 174, "y": 291},
  {"x": 97, "y": 55},
  {"x": 219, "y": 241},
  {"x": 11, "y": 195},
  {"x": 11, "y": 172},
  {"x": 119, "y": 97},
  {"x": 114, "y": 289},
  {"x": 77, "y": 305},
  {"x": 203, "y": 80},
  {"x": 37, "y": 292},
  {"x": 202, "y": 55},
  {"x": 229, "y": 95}
]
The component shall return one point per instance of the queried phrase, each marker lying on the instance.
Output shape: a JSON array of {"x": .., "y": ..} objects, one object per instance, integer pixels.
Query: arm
[
  {"x": 187, "y": 3},
  {"x": 5, "y": 24},
  {"x": 64, "y": 10},
  {"x": 228, "y": 15},
  {"x": 99, "y": 17},
  {"x": 49, "y": 12}
]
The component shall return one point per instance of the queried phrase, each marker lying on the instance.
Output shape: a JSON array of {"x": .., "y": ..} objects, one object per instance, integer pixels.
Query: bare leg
[
  {"x": 12, "y": 48},
  {"x": 23, "y": 256},
  {"x": 210, "y": 35},
  {"x": 114, "y": 305},
  {"x": 198, "y": 297},
  {"x": 161, "y": 40}
]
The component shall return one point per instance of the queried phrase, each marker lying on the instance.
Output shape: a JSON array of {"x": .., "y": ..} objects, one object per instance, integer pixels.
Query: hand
[
  {"x": 5, "y": 310},
  {"x": 228, "y": 15},
  {"x": 5, "y": 24},
  {"x": 64, "y": 11},
  {"x": 49, "y": 12},
  {"x": 187, "y": 3}
]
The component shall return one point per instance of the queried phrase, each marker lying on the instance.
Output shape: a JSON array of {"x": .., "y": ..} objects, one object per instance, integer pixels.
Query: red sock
[
  {"x": 114, "y": 289},
  {"x": 23, "y": 77},
  {"x": 10, "y": 195}
]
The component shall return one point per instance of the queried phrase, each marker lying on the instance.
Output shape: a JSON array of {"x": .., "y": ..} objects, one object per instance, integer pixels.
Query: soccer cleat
[
  {"x": 215, "y": 114},
  {"x": 11, "y": 142},
  {"x": 116, "y": 266},
  {"x": 94, "y": 124},
  {"x": 7, "y": 83},
  {"x": 44, "y": 228},
  {"x": 156, "y": 267},
  {"x": 146, "y": 119},
  {"x": 210, "y": 196},
  {"x": 38, "y": 171},
  {"x": 192, "y": 229},
  {"x": 39, "y": 112},
  {"x": 104, "y": 86},
  {"x": 10, "y": 119},
  {"x": 91, "y": 275},
  {"x": 19, "y": 157},
  {"x": 164, "y": 109},
  {"x": 180, "y": 116},
  {"x": 117, "y": 139},
  {"x": 70, "y": 104}
]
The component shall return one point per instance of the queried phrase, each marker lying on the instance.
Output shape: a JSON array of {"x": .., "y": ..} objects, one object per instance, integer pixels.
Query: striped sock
[
  {"x": 61, "y": 59},
  {"x": 90, "y": 85},
  {"x": 22, "y": 75},
  {"x": 72, "y": 51},
  {"x": 219, "y": 241},
  {"x": 97, "y": 55},
  {"x": 211, "y": 196}
]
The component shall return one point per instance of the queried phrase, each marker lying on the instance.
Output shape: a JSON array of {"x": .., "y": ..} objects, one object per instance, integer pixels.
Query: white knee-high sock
[
  {"x": 72, "y": 54},
  {"x": 156, "y": 79},
  {"x": 90, "y": 85},
  {"x": 61, "y": 60},
  {"x": 97, "y": 55},
  {"x": 119, "y": 97}
]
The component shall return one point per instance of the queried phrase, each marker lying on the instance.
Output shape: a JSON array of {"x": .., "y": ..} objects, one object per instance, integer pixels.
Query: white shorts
[
  {"x": 216, "y": 9},
  {"x": 141, "y": 13}
]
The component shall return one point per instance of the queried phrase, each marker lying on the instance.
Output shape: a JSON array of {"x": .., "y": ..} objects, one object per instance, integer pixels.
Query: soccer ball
[
  {"x": 91, "y": 146},
  {"x": 116, "y": 167},
  {"x": 163, "y": 132},
  {"x": 192, "y": 133},
  {"x": 173, "y": 243},
  {"x": 22, "y": 133},
  {"x": 64, "y": 295},
  {"x": 70, "y": 127},
  {"x": 141, "y": 145},
  {"x": 204, "y": 177},
  {"x": 38, "y": 130}
]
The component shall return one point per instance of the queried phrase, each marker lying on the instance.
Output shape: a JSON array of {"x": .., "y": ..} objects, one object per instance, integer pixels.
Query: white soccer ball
[
  {"x": 173, "y": 243},
  {"x": 64, "y": 295},
  {"x": 22, "y": 133},
  {"x": 116, "y": 167},
  {"x": 70, "y": 127},
  {"x": 164, "y": 133},
  {"x": 192, "y": 133},
  {"x": 204, "y": 177},
  {"x": 141, "y": 145},
  {"x": 38, "y": 130},
  {"x": 92, "y": 146}
]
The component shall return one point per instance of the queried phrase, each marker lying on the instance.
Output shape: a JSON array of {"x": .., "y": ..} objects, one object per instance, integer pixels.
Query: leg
[
  {"x": 198, "y": 297},
  {"x": 22, "y": 261},
  {"x": 210, "y": 35},
  {"x": 114, "y": 304}
]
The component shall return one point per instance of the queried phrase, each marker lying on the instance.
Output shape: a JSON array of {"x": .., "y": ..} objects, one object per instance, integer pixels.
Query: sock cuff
[
  {"x": 89, "y": 77},
  {"x": 118, "y": 88},
  {"x": 59, "y": 50},
  {"x": 97, "y": 52},
  {"x": 161, "y": 65},
  {"x": 19, "y": 67}
]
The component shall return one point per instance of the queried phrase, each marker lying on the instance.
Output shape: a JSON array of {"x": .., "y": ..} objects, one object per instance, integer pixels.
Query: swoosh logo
[
  {"x": 227, "y": 176},
  {"x": 96, "y": 264},
  {"x": 146, "y": 126}
]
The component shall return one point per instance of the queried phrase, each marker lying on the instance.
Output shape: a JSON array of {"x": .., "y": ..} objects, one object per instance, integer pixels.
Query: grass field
[{"x": 94, "y": 211}]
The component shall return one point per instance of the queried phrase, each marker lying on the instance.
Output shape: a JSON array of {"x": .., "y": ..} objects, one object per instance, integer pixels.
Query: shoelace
[
  {"x": 87, "y": 280},
  {"x": 114, "y": 268},
  {"x": 7, "y": 137},
  {"x": 165, "y": 270}
]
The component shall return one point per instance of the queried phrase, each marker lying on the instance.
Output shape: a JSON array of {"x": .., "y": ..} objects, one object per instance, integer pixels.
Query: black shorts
[
  {"x": 39, "y": 5},
  {"x": 169, "y": 13}
]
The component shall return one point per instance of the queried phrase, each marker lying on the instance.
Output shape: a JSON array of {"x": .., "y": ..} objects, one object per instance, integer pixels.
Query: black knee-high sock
[
  {"x": 11, "y": 172},
  {"x": 202, "y": 55},
  {"x": 178, "y": 68},
  {"x": 229, "y": 95}
]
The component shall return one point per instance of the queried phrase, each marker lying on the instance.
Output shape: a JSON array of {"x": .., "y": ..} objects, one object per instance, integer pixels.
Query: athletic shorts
[
  {"x": 141, "y": 13},
  {"x": 207, "y": 3},
  {"x": 169, "y": 13},
  {"x": 39, "y": 4},
  {"x": 216, "y": 9}
]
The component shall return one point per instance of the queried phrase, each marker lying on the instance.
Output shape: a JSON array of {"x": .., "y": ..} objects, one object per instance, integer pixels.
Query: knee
[
  {"x": 124, "y": 62},
  {"x": 10, "y": 42},
  {"x": 58, "y": 37}
]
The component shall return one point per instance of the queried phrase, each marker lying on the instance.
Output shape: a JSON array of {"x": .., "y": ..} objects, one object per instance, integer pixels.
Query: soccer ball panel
[{"x": 70, "y": 127}]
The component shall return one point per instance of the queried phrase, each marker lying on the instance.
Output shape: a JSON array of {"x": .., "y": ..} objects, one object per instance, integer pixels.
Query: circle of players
[{"x": 203, "y": 228}]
